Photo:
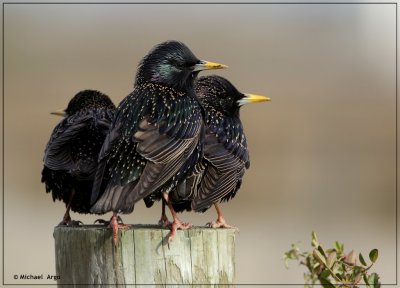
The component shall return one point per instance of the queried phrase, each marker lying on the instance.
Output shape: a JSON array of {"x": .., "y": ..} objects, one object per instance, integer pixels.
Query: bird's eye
[
  {"x": 183, "y": 65},
  {"x": 177, "y": 64}
]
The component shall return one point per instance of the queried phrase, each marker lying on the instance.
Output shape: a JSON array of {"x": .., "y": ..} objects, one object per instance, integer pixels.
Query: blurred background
[{"x": 323, "y": 151}]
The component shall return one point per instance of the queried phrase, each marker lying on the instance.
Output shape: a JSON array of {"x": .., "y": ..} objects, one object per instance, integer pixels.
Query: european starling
[
  {"x": 219, "y": 175},
  {"x": 154, "y": 133},
  {"x": 70, "y": 158}
]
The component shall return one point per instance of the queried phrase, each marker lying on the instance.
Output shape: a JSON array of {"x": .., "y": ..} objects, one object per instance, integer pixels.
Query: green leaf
[
  {"x": 338, "y": 247},
  {"x": 357, "y": 274},
  {"x": 357, "y": 277},
  {"x": 373, "y": 255},
  {"x": 365, "y": 279},
  {"x": 325, "y": 282},
  {"x": 330, "y": 261},
  {"x": 292, "y": 254},
  {"x": 287, "y": 263},
  {"x": 373, "y": 280},
  {"x": 339, "y": 276},
  {"x": 362, "y": 261},
  {"x": 319, "y": 257},
  {"x": 314, "y": 239},
  {"x": 321, "y": 250},
  {"x": 316, "y": 265},
  {"x": 325, "y": 274},
  {"x": 358, "y": 269}
]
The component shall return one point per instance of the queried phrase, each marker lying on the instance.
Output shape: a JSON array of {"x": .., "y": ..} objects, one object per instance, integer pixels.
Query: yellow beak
[
  {"x": 207, "y": 65},
  {"x": 59, "y": 112},
  {"x": 252, "y": 98}
]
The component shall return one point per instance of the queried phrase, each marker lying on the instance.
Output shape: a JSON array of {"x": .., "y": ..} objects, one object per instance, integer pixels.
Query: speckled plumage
[
  {"x": 71, "y": 154},
  {"x": 225, "y": 153},
  {"x": 156, "y": 129},
  {"x": 219, "y": 175}
]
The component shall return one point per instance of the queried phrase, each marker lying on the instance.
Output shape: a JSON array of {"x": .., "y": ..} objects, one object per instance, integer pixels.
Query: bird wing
[
  {"x": 223, "y": 173},
  {"x": 117, "y": 142},
  {"x": 182, "y": 196},
  {"x": 164, "y": 154},
  {"x": 226, "y": 157},
  {"x": 153, "y": 140},
  {"x": 230, "y": 133},
  {"x": 58, "y": 153}
]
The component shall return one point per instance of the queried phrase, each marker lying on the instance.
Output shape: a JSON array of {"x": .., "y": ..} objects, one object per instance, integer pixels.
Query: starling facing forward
[
  {"x": 219, "y": 176},
  {"x": 155, "y": 131},
  {"x": 71, "y": 154}
]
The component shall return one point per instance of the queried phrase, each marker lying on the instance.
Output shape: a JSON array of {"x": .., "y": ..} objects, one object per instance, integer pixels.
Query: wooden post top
[{"x": 199, "y": 255}]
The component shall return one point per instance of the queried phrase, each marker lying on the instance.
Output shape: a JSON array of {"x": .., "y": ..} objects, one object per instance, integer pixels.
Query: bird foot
[
  {"x": 74, "y": 223},
  {"x": 115, "y": 225},
  {"x": 107, "y": 223},
  {"x": 164, "y": 222},
  {"x": 71, "y": 223},
  {"x": 174, "y": 226},
  {"x": 221, "y": 224},
  {"x": 67, "y": 221}
]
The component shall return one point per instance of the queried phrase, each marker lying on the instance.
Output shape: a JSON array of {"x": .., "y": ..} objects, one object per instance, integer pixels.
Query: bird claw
[
  {"x": 74, "y": 223},
  {"x": 221, "y": 224},
  {"x": 116, "y": 223},
  {"x": 107, "y": 223},
  {"x": 164, "y": 222},
  {"x": 119, "y": 221},
  {"x": 174, "y": 226},
  {"x": 102, "y": 221},
  {"x": 70, "y": 223}
]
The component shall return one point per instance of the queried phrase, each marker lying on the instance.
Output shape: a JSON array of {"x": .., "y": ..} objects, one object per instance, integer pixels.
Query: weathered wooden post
[{"x": 86, "y": 255}]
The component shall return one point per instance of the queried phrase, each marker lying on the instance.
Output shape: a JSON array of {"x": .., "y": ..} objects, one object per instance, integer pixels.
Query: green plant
[{"x": 332, "y": 267}]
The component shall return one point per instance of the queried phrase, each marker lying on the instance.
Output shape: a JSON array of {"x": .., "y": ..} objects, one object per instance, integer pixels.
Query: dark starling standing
[
  {"x": 219, "y": 176},
  {"x": 70, "y": 158},
  {"x": 155, "y": 131}
]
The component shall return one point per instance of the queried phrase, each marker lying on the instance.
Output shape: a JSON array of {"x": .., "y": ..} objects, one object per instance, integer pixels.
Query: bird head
[
  {"x": 86, "y": 99},
  {"x": 219, "y": 93},
  {"x": 172, "y": 63}
]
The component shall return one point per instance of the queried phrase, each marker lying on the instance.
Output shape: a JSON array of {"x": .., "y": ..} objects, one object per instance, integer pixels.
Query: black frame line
[
  {"x": 2, "y": 138},
  {"x": 198, "y": 3},
  {"x": 188, "y": 3}
]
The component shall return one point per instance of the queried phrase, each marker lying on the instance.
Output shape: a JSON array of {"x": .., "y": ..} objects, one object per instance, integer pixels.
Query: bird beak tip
[
  {"x": 208, "y": 65},
  {"x": 60, "y": 112},
  {"x": 257, "y": 98}
]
